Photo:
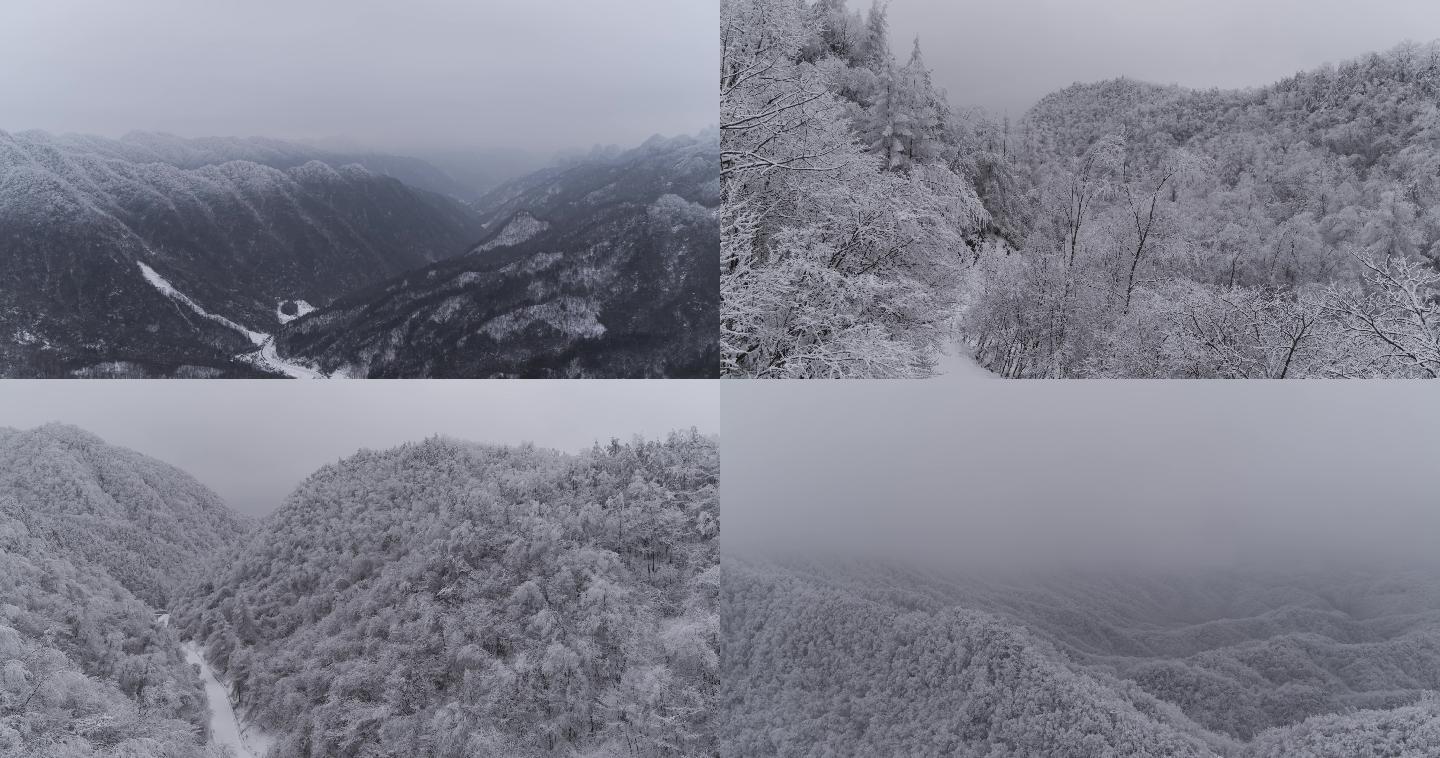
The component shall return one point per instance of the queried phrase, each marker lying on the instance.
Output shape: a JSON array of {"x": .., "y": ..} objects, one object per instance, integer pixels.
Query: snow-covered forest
[
  {"x": 93, "y": 540},
  {"x": 448, "y": 599},
  {"x": 1118, "y": 229},
  {"x": 876, "y": 659},
  {"x": 159, "y": 256},
  {"x": 441, "y": 599}
]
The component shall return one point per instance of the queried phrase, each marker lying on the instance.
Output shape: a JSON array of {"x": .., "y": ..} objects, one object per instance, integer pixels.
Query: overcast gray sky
[
  {"x": 1037, "y": 473},
  {"x": 1004, "y": 55},
  {"x": 253, "y": 441},
  {"x": 537, "y": 74}
]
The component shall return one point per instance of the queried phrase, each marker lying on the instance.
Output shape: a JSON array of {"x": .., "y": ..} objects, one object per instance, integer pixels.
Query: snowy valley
[
  {"x": 159, "y": 256},
  {"x": 441, "y": 598}
]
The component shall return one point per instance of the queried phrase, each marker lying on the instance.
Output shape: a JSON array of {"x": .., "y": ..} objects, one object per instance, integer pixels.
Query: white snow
[
  {"x": 167, "y": 289},
  {"x": 957, "y": 364},
  {"x": 521, "y": 227},
  {"x": 226, "y": 729},
  {"x": 266, "y": 357},
  {"x": 269, "y": 358},
  {"x": 301, "y": 308},
  {"x": 27, "y": 337}
]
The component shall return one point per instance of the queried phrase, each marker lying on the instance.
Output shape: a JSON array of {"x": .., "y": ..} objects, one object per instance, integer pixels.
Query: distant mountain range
[
  {"x": 154, "y": 255},
  {"x": 602, "y": 268},
  {"x": 884, "y": 660}
]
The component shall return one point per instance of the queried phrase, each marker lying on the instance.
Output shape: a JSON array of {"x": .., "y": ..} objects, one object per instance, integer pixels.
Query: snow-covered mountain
[
  {"x": 1118, "y": 229},
  {"x": 154, "y": 255},
  {"x": 882, "y": 660},
  {"x": 1314, "y": 200},
  {"x": 441, "y": 598},
  {"x": 242, "y": 228},
  {"x": 815, "y": 668},
  {"x": 157, "y": 147},
  {"x": 94, "y": 539},
  {"x": 143, "y": 522},
  {"x": 447, "y": 599},
  {"x": 601, "y": 268}
]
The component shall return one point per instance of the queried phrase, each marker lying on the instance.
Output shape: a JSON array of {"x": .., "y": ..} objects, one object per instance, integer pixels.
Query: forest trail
[{"x": 956, "y": 364}]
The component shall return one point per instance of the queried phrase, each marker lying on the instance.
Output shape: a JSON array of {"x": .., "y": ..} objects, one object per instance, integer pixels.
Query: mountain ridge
[
  {"x": 238, "y": 237},
  {"x": 611, "y": 280}
]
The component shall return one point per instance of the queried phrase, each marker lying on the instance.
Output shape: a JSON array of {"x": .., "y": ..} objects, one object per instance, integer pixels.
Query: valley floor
[
  {"x": 226, "y": 728},
  {"x": 267, "y": 357}
]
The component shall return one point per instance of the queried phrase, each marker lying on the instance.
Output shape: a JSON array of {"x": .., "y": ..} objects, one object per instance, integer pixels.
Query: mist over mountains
[
  {"x": 1081, "y": 568},
  {"x": 94, "y": 539},
  {"x": 867, "y": 659},
  {"x": 154, "y": 255}
]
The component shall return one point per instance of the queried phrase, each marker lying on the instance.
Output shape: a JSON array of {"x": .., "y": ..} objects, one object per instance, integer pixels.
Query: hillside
[
  {"x": 1239, "y": 663},
  {"x": 603, "y": 268},
  {"x": 84, "y": 670},
  {"x": 816, "y": 669},
  {"x": 1241, "y": 651},
  {"x": 1120, "y": 229},
  {"x": 1287, "y": 230},
  {"x": 102, "y": 234},
  {"x": 450, "y": 599},
  {"x": 155, "y": 147},
  {"x": 93, "y": 540},
  {"x": 141, "y": 522}
]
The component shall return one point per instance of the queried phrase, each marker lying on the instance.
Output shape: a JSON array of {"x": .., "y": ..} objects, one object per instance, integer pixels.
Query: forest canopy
[
  {"x": 878, "y": 659},
  {"x": 94, "y": 539},
  {"x": 1119, "y": 229},
  {"x": 450, "y": 599}
]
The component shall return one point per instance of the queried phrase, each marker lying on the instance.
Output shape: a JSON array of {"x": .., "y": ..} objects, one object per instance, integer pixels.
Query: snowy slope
[
  {"x": 266, "y": 358},
  {"x": 235, "y": 225},
  {"x": 604, "y": 269}
]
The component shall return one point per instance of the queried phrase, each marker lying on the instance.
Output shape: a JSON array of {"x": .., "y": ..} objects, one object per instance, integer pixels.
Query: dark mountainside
[
  {"x": 152, "y": 147},
  {"x": 1225, "y": 663},
  {"x": 80, "y": 216},
  {"x": 1246, "y": 223},
  {"x": 94, "y": 541},
  {"x": 143, "y": 522},
  {"x": 603, "y": 268}
]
